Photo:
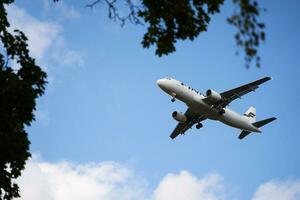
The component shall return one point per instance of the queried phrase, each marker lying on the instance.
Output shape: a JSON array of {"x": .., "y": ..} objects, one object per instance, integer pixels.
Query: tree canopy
[
  {"x": 19, "y": 89},
  {"x": 170, "y": 21}
]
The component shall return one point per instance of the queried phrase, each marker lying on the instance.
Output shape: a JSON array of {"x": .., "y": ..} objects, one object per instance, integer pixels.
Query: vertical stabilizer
[{"x": 251, "y": 114}]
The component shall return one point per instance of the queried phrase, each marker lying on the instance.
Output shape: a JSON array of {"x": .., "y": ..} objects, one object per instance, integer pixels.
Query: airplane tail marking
[{"x": 251, "y": 114}]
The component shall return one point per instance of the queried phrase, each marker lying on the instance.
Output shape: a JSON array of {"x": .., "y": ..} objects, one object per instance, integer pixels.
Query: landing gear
[
  {"x": 199, "y": 125},
  {"x": 173, "y": 96},
  {"x": 219, "y": 109},
  {"x": 221, "y": 112}
]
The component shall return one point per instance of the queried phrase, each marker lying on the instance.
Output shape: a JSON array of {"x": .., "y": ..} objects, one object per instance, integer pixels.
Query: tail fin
[
  {"x": 263, "y": 122},
  {"x": 251, "y": 114},
  {"x": 256, "y": 124}
]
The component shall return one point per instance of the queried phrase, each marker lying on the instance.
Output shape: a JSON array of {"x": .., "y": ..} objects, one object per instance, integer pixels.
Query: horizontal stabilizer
[
  {"x": 263, "y": 122},
  {"x": 244, "y": 134}
]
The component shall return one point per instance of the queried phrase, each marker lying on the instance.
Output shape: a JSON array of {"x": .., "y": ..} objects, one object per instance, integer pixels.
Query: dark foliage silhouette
[
  {"x": 18, "y": 92},
  {"x": 170, "y": 21}
]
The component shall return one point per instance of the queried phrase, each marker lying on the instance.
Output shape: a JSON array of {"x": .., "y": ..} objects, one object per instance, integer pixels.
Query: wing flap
[{"x": 230, "y": 95}]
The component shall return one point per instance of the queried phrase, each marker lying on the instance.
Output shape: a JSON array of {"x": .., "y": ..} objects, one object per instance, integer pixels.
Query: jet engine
[
  {"x": 178, "y": 116},
  {"x": 213, "y": 96}
]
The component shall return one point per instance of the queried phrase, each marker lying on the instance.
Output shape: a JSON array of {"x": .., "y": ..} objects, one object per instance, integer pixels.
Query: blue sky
[{"x": 102, "y": 102}]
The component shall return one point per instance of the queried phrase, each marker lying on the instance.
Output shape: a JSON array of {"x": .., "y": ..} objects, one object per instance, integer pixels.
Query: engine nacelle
[
  {"x": 179, "y": 116},
  {"x": 213, "y": 96}
]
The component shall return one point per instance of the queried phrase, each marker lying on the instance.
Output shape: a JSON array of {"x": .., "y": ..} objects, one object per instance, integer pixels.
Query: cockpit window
[{"x": 168, "y": 78}]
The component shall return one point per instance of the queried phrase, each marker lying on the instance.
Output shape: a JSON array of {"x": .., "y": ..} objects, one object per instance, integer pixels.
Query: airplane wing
[
  {"x": 238, "y": 92},
  {"x": 191, "y": 120}
]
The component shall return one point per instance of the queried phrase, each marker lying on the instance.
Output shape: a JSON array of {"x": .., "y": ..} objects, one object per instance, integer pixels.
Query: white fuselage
[{"x": 194, "y": 100}]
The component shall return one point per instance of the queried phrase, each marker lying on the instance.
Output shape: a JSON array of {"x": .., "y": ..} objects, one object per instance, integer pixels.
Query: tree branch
[{"x": 113, "y": 12}]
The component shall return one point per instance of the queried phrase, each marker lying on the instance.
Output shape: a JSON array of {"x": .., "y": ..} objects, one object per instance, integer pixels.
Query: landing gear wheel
[
  {"x": 173, "y": 99},
  {"x": 199, "y": 125}
]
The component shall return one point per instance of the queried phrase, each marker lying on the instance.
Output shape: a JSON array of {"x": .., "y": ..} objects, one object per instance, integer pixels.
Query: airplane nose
[
  {"x": 159, "y": 82},
  {"x": 164, "y": 84}
]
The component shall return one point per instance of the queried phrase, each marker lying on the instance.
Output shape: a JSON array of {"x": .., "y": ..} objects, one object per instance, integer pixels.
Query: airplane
[{"x": 212, "y": 106}]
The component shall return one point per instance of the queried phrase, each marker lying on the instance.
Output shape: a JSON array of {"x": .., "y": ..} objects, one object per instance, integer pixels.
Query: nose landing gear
[
  {"x": 221, "y": 112},
  {"x": 199, "y": 125},
  {"x": 173, "y": 97}
]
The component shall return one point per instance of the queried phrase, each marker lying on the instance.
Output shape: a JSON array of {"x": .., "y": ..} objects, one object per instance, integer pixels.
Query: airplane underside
[{"x": 229, "y": 117}]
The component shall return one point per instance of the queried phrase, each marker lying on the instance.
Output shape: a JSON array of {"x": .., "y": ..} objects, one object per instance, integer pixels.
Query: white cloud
[
  {"x": 276, "y": 190},
  {"x": 186, "y": 186},
  {"x": 109, "y": 181},
  {"x": 41, "y": 34},
  {"x": 64, "y": 180},
  {"x": 61, "y": 54},
  {"x": 114, "y": 181},
  {"x": 45, "y": 39},
  {"x": 60, "y": 9}
]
